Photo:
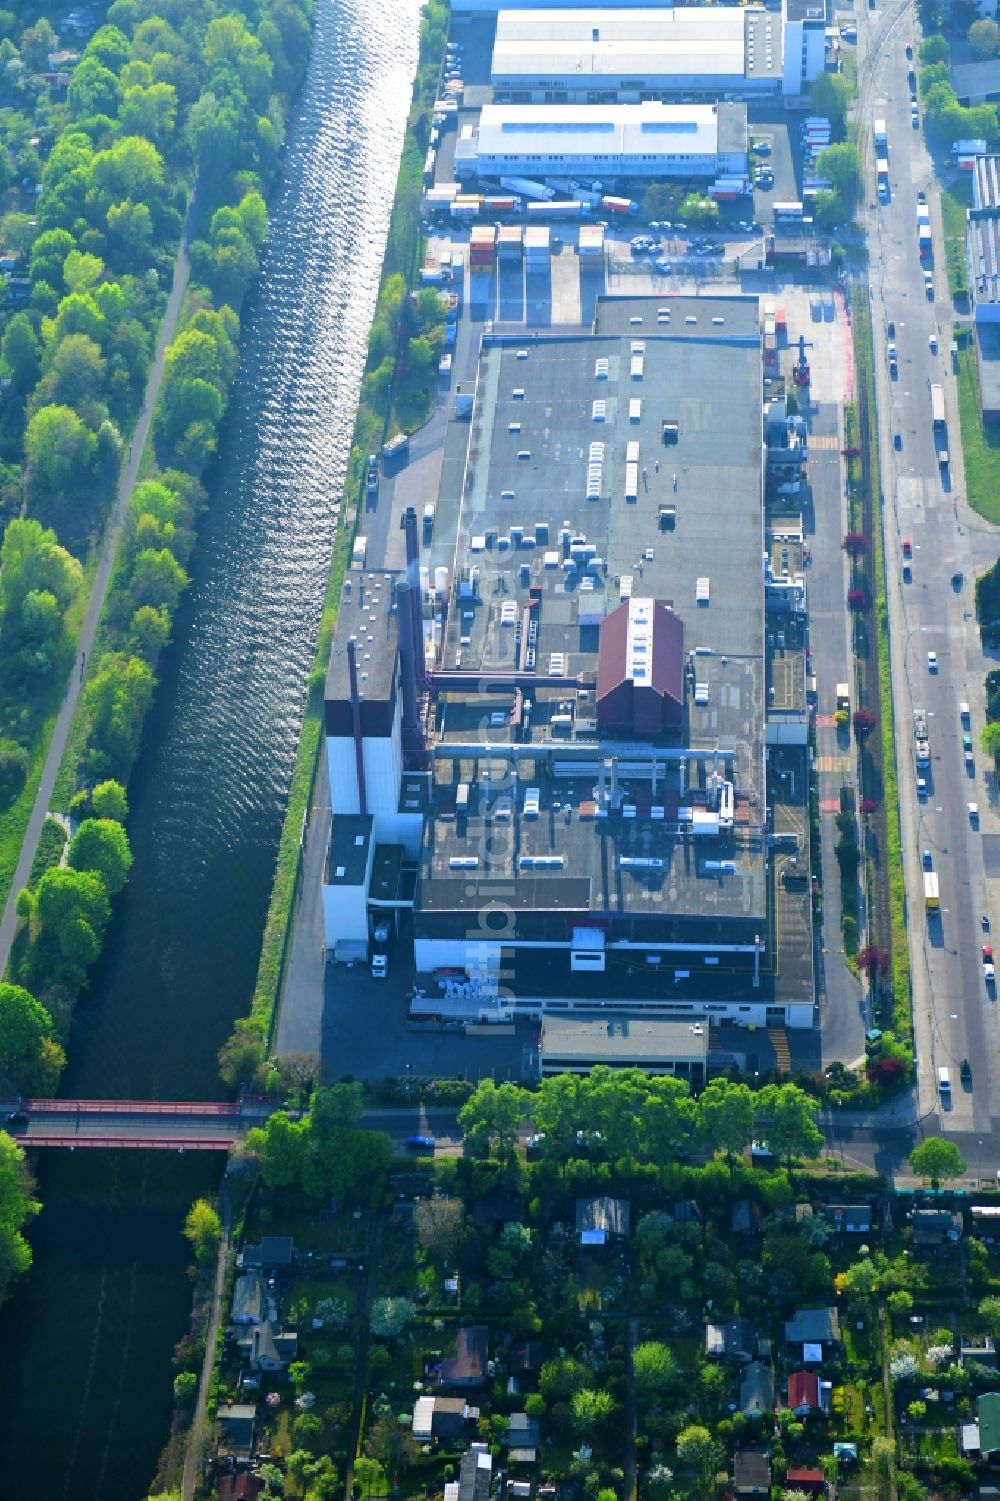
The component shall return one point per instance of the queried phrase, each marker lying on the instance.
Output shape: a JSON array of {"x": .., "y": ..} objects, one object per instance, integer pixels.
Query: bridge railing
[
  {"x": 143, "y": 1143},
  {"x": 226, "y": 1109}
]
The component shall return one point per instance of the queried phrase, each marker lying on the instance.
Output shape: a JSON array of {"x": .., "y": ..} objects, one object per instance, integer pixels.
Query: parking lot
[{"x": 771, "y": 124}]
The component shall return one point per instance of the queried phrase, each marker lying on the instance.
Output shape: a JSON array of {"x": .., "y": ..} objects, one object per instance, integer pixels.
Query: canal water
[{"x": 85, "y": 1375}]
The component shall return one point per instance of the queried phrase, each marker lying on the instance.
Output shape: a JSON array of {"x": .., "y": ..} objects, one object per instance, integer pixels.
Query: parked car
[
  {"x": 928, "y": 860},
  {"x": 419, "y": 1143},
  {"x": 897, "y": 441},
  {"x": 966, "y": 1071}
]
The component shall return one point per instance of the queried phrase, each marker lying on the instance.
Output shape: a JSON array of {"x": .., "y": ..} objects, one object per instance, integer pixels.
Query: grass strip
[
  {"x": 893, "y": 854},
  {"x": 980, "y": 441}
]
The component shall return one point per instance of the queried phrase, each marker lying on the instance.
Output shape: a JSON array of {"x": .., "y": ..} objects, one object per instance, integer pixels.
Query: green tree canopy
[
  {"x": 59, "y": 450},
  {"x": 937, "y": 1159},
  {"x": 101, "y": 845},
  {"x": 726, "y": 1115},
  {"x": 24, "y": 1022},
  {"x": 110, "y": 800},
  {"x": 203, "y": 1229},
  {"x": 655, "y": 1368}
]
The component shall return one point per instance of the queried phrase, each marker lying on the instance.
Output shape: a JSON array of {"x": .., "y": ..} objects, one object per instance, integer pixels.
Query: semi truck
[
  {"x": 525, "y": 187},
  {"x": 879, "y": 132},
  {"x": 924, "y": 240},
  {"x": 976, "y": 146},
  {"x": 937, "y": 407},
  {"x": 921, "y": 739},
  {"x": 615, "y": 205}
]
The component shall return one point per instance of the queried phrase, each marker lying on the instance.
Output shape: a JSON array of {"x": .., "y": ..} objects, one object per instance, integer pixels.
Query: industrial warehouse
[
  {"x": 626, "y": 141},
  {"x": 551, "y": 758},
  {"x": 596, "y": 56}
]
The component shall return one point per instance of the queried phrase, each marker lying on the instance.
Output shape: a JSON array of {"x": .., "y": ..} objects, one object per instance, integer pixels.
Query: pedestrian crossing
[
  {"x": 823, "y": 442},
  {"x": 836, "y": 764}
]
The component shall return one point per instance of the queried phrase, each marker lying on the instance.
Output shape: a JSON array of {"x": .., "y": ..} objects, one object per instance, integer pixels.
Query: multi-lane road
[{"x": 954, "y": 1016}]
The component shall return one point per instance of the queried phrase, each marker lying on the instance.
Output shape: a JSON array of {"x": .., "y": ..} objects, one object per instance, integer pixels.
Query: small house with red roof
[{"x": 803, "y": 1392}]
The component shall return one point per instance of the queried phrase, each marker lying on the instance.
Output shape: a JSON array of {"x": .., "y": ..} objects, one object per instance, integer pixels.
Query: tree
[
  {"x": 492, "y": 1115},
  {"x": 989, "y": 739},
  {"x": 117, "y": 695},
  {"x": 203, "y": 1229},
  {"x": 17, "y": 1206},
  {"x": 280, "y": 1146},
  {"x": 24, "y": 1024},
  {"x": 936, "y": 1159},
  {"x": 334, "y": 1105},
  {"x": 697, "y": 1450},
  {"x": 31, "y": 561},
  {"x": 296, "y": 1075},
  {"x": 654, "y": 1367},
  {"x": 185, "y": 1388},
  {"x": 390, "y": 1316},
  {"x": 101, "y": 845},
  {"x": 860, "y": 1280},
  {"x": 36, "y": 43},
  {"x": 842, "y": 165},
  {"x": 110, "y": 800},
  {"x": 439, "y": 1224},
  {"x": 149, "y": 632},
  {"x": 786, "y": 1121},
  {"x": 560, "y": 1378},
  {"x": 158, "y": 580},
  {"x": 934, "y": 49},
  {"x": 22, "y": 353},
  {"x": 830, "y": 95},
  {"x": 726, "y": 1115},
  {"x": 13, "y": 770},
  {"x": 75, "y": 378},
  {"x": 989, "y": 1312},
  {"x": 591, "y": 1409},
  {"x": 63, "y": 895},
  {"x": 369, "y": 1477},
  {"x": 59, "y": 450}
]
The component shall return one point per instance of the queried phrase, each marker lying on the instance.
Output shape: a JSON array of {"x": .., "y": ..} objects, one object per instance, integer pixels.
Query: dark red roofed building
[
  {"x": 640, "y": 670},
  {"x": 803, "y": 1392},
  {"x": 240, "y": 1488},
  {"x": 802, "y": 1478}
]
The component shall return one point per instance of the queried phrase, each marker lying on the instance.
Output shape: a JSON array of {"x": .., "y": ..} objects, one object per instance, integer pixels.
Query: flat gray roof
[
  {"x": 366, "y": 614},
  {"x": 624, "y": 1038},
  {"x": 694, "y": 528},
  {"x": 348, "y": 859}
]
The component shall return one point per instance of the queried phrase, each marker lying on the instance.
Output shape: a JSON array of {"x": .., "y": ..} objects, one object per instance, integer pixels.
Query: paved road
[
  {"x": 953, "y": 1016},
  {"x": 109, "y": 551}
]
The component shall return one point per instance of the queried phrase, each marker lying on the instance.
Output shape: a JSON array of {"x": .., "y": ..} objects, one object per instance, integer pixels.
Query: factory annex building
[{"x": 548, "y": 753}]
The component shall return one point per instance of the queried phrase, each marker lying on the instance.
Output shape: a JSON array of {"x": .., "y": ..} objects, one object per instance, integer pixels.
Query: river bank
[{"x": 89, "y": 1335}]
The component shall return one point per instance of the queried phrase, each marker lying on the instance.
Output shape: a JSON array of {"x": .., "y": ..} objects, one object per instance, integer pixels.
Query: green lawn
[
  {"x": 955, "y": 199},
  {"x": 980, "y": 443}
]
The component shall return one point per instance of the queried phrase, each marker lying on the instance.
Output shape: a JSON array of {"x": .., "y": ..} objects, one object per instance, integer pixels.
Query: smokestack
[
  {"x": 359, "y": 755},
  {"x": 408, "y": 666}
]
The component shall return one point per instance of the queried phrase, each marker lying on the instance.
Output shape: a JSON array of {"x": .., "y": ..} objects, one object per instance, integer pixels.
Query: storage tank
[
  {"x": 441, "y": 580},
  {"x": 425, "y": 579}
]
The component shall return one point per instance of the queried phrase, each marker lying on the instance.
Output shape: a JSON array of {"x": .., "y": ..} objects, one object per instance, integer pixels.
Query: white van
[{"x": 944, "y": 1085}]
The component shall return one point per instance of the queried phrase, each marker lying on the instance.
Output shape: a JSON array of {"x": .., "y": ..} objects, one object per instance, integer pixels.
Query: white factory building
[
  {"x": 626, "y": 141},
  {"x": 599, "y": 56}
]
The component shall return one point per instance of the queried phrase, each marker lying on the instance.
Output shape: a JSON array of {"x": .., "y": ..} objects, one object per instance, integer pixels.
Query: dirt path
[
  {"x": 109, "y": 552},
  {"x": 372, "y": 1263},
  {"x": 194, "y": 1443}
]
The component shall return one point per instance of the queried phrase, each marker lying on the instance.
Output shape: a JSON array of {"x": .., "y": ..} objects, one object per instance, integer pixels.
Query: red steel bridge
[{"x": 160, "y": 1125}]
